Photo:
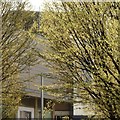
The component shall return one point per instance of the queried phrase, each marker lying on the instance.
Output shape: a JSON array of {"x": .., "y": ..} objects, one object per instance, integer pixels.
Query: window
[{"x": 26, "y": 113}]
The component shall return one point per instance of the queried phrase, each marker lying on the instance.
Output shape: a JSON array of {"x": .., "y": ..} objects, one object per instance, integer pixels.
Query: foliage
[
  {"x": 17, "y": 48},
  {"x": 82, "y": 50}
]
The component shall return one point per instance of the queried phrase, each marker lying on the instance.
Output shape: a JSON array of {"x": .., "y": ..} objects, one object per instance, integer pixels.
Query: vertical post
[
  {"x": 42, "y": 98},
  {"x": 36, "y": 107}
]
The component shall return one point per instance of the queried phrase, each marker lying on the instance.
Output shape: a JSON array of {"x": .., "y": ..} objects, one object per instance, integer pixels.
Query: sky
[{"x": 38, "y": 4}]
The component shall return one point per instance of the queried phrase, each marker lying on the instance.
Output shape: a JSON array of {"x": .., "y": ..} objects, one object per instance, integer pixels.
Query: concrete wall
[{"x": 32, "y": 79}]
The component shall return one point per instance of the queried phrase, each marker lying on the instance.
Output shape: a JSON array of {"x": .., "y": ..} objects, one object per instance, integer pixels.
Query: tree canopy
[
  {"x": 82, "y": 40},
  {"x": 17, "y": 52}
]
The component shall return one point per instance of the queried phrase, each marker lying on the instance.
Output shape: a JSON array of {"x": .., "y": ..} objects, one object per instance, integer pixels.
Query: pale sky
[{"x": 38, "y": 4}]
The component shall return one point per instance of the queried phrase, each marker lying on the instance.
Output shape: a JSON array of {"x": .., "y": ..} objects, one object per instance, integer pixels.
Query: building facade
[{"x": 35, "y": 103}]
